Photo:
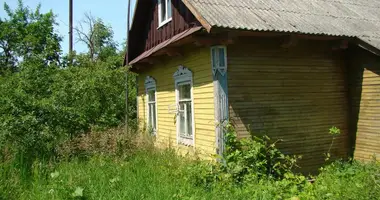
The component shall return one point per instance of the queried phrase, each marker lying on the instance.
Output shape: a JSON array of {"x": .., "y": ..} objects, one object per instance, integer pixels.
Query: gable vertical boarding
[{"x": 219, "y": 71}]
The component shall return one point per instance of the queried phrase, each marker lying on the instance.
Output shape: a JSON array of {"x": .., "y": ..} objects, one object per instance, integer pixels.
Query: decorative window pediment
[
  {"x": 150, "y": 82},
  {"x": 183, "y": 74}
]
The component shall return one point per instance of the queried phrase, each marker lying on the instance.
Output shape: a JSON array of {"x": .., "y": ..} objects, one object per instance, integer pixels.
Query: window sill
[
  {"x": 186, "y": 141},
  {"x": 164, "y": 23}
]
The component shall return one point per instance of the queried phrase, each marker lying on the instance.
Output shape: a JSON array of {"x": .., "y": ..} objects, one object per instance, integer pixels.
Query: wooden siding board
[
  {"x": 198, "y": 61},
  {"x": 364, "y": 79},
  {"x": 294, "y": 94},
  {"x": 145, "y": 34}
]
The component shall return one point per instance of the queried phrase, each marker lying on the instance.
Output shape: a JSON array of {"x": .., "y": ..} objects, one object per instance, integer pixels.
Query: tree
[
  {"x": 27, "y": 34},
  {"x": 98, "y": 38}
]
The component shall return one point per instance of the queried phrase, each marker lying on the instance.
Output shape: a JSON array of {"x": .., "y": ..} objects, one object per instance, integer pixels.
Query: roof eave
[{"x": 198, "y": 16}]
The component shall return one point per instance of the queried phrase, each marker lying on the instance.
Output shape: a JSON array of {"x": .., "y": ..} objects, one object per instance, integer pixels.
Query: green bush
[
  {"x": 346, "y": 180},
  {"x": 248, "y": 162},
  {"x": 255, "y": 155},
  {"x": 42, "y": 106}
]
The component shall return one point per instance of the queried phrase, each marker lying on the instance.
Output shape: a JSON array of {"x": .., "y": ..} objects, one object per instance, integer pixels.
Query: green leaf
[
  {"x": 54, "y": 174},
  {"x": 78, "y": 192}
]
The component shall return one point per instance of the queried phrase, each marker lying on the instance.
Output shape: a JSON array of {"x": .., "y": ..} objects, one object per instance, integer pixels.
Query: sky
[{"x": 113, "y": 13}]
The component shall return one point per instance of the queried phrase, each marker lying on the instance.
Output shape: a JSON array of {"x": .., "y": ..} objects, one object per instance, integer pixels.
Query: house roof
[{"x": 350, "y": 18}]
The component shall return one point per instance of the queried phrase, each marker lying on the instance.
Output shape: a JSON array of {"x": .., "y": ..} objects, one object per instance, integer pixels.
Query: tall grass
[
  {"x": 113, "y": 165},
  {"x": 148, "y": 174}
]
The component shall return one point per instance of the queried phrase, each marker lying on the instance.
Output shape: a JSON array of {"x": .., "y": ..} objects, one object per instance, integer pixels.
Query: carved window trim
[
  {"x": 150, "y": 85},
  {"x": 216, "y": 62},
  {"x": 183, "y": 76}
]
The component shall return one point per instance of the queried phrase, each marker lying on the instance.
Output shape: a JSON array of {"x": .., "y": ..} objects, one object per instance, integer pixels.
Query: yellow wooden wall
[
  {"x": 365, "y": 100},
  {"x": 295, "y": 94},
  {"x": 199, "y": 62}
]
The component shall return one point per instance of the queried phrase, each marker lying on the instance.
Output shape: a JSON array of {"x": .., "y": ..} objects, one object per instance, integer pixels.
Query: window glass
[
  {"x": 221, "y": 57},
  {"x": 189, "y": 119},
  {"x": 182, "y": 122},
  {"x": 184, "y": 91},
  {"x": 214, "y": 57},
  {"x": 154, "y": 116},
  {"x": 150, "y": 114},
  {"x": 163, "y": 10},
  {"x": 169, "y": 3},
  {"x": 185, "y": 119},
  {"x": 151, "y": 95}
]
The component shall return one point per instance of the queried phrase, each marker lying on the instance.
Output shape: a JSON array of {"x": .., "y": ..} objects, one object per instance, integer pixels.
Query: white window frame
[
  {"x": 150, "y": 85},
  {"x": 162, "y": 22},
  {"x": 184, "y": 76}
]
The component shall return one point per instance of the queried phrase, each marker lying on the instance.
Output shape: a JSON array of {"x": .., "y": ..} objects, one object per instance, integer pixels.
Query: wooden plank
[
  {"x": 289, "y": 95},
  {"x": 199, "y": 63}
]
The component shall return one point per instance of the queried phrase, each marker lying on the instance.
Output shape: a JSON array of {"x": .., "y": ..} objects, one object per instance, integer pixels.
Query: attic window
[{"x": 164, "y": 12}]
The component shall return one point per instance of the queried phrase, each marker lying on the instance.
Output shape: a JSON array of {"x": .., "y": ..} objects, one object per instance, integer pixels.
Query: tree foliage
[
  {"x": 46, "y": 99},
  {"x": 98, "y": 38},
  {"x": 27, "y": 34}
]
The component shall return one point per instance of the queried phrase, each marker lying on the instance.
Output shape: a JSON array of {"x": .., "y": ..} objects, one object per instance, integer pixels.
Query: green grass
[
  {"x": 156, "y": 174},
  {"x": 146, "y": 175}
]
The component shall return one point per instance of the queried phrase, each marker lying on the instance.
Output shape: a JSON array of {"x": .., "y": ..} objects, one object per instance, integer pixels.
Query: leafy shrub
[
  {"x": 27, "y": 114},
  {"x": 256, "y": 156},
  {"x": 345, "y": 180},
  {"x": 42, "y": 106},
  {"x": 246, "y": 161}
]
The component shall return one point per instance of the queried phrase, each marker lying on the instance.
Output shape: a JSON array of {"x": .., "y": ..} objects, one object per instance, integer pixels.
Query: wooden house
[{"x": 290, "y": 69}]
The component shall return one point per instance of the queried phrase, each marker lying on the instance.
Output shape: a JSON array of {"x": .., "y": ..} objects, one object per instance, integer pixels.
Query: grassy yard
[
  {"x": 146, "y": 175},
  {"x": 143, "y": 172}
]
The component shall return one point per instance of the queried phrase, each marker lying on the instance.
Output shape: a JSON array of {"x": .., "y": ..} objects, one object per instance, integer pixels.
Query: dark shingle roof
[{"x": 352, "y": 18}]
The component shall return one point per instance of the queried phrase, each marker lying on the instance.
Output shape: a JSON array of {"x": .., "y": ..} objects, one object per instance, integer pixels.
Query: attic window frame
[{"x": 167, "y": 19}]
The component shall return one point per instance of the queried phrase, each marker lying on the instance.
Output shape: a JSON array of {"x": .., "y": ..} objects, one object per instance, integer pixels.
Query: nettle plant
[
  {"x": 257, "y": 156},
  {"x": 334, "y": 132},
  {"x": 245, "y": 160}
]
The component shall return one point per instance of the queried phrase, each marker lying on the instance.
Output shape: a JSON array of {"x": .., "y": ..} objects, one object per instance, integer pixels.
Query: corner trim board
[{"x": 220, "y": 81}]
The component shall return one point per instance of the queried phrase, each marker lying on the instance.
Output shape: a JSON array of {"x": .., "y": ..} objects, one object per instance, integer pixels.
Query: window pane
[
  {"x": 184, "y": 91},
  {"x": 214, "y": 57},
  {"x": 163, "y": 10},
  {"x": 221, "y": 57},
  {"x": 189, "y": 119},
  {"x": 169, "y": 9},
  {"x": 149, "y": 116},
  {"x": 154, "y": 123},
  {"x": 181, "y": 119},
  {"x": 151, "y": 95}
]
